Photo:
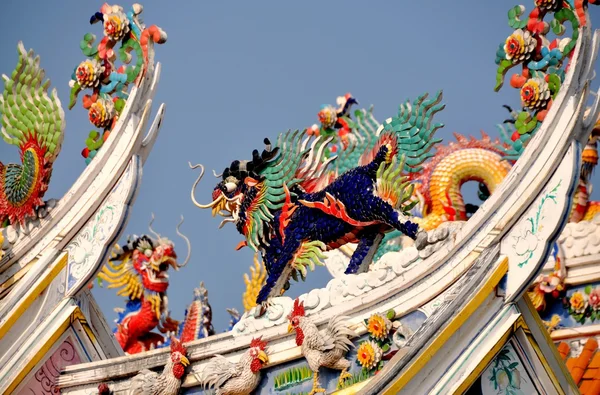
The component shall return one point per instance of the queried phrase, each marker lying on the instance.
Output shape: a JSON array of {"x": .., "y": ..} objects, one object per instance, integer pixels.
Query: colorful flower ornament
[
  {"x": 519, "y": 46},
  {"x": 327, "y": 117},
  {"x": 369, "y": 354},
  {"x": 546, "y": 5},
  {"x": 116, "y": 24},
  {"x": 101, "y": 113},
  {"x": 89, "y": 73},
  {"x": 535, "y": 94},
  {"x": 379, "y": 326},
  {"x": 578, "y": 302},
  {"x": 551, "y": 284},
  {"x": 594, "y": 299}
]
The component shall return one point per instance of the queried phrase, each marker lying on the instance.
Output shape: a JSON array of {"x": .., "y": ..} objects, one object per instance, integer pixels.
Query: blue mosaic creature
[{"x": 291, "y": 207}]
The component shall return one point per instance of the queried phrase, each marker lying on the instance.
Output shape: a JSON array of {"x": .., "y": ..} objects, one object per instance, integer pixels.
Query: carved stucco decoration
[{"x": 89, "y": 248}]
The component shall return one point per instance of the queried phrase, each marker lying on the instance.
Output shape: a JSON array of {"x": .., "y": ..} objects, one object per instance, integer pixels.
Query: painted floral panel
[{"x": 506, "y": 375}]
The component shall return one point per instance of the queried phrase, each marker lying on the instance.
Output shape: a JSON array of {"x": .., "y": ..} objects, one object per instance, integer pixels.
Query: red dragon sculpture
[{"x": 139, "y": 269}]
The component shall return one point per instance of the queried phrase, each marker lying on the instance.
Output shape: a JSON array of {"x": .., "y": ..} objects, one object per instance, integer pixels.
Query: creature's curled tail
[{"x": 34, "y": 122}]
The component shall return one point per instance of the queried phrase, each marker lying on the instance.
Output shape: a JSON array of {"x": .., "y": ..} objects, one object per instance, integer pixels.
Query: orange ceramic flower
[
  {"x": 327, "y": 117},
  {"x": 88, "y": 73},
  {"x": 578, "y": 302},
  {"x": 379, "y": 326},
  {"x": 101, "y": 113},
  {"x": 546, "y": 5},
  {"x": 369, "y": 354},
  {"x": 535, "y": 94},
  {"x": 116, "y": 24},
  {"x": 519, "y": 46}
]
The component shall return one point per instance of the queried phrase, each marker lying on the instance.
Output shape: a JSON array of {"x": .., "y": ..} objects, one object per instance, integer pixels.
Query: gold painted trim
[
  {"x": 78, "y": 315},
  {"x": 428, "y": 353},
  {"x": 485, "y": 361},
  {"x": 40, "y": 285},
  {"x": 519, "y": 323},
  {"x": 544, "y": 361},
  {"x": 353, "y": 389},
  {"x": 45, "y": 348},
  {"x": 6, "y": 286}
]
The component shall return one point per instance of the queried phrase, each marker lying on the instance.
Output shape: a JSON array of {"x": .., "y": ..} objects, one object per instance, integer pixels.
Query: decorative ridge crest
[
  {"x": 544, "y": 61},
  {"x": 100, "y": 73}
]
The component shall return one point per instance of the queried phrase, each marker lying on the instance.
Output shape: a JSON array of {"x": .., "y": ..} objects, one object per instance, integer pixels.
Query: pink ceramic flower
[{"x": 594, "y": 299}]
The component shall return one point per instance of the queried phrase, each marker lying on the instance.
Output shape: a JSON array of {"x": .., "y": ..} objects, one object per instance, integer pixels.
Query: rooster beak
[
  {"x": 263, "y": 357},
  {"x": 185, "y": 361},
  {"x": 290, "y": 328}
]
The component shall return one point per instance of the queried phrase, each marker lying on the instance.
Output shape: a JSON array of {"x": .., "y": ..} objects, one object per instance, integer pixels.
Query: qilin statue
[
  {"x": 288, "y": 207},
  {"x": 139, "y": 269},
  {"x": 438, "y": 183}
]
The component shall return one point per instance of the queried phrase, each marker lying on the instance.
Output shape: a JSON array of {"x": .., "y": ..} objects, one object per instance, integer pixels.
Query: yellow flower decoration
[
  {"x": 519, "y": 46},
  {"x": 369, "y": 354},
  {"x": 578, "y": 302},
  {"x": 379, "y": 326},
  {"x": 535, "y": 94}
]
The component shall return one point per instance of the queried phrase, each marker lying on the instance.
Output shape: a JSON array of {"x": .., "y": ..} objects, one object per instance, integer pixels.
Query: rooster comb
[
  {"x": 298, "y": 309},
  {"x": 176, "y": 346},
  {"x": 258, "y": 343}
]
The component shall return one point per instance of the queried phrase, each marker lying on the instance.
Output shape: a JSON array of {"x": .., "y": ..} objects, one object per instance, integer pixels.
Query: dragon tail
[
  {"x": 198, "y": 317},
  {"x": 33, "y": 121},
  {"x": 254, "y": 282}
]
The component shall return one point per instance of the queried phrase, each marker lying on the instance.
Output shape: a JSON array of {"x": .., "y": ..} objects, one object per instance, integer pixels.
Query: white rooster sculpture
[
  {"x": 168, "y": 382},
  {"x": 326, "y": 348},
  {"x": 239, "y": 378}
]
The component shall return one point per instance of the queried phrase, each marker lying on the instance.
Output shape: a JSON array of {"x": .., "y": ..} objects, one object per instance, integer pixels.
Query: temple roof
[{"x": 584, "y": 368}]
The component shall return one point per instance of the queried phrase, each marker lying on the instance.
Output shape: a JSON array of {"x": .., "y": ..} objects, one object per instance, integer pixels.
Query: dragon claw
[
  {"x": 429, "y": 242},
  {"x": 262, "y": 308}
]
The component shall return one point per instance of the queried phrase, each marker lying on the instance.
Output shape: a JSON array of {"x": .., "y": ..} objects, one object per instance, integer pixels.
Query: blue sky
[{"x": 236, "y": 72}]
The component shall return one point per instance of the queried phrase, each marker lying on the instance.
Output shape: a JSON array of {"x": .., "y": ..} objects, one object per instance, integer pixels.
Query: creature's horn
[
  {"x": 187, "y": 241},
  {"x": 192, "y": 194},
  {"x": 152, "y": 230}
]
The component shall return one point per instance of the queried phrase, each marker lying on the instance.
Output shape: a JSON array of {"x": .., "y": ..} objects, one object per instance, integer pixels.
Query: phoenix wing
[{"x": 33, "y": 121}]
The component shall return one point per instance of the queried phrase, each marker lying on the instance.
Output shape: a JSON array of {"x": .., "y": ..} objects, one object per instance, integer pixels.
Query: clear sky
[{"x": 236, "y": 72}]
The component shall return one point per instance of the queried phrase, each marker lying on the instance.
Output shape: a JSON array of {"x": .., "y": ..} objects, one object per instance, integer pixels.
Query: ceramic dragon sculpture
[
  {"x": 34, "y": 121},
  {"x": 139, "y": 269},
  {"x": 290, "y": 209},
  {"x": 438, "y": 184}
]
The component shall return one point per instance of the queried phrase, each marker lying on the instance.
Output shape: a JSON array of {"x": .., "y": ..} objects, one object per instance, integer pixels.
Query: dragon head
[
  {"x": 240, "y": 183},
  {"x": 152, "y": 257},
  {"x": 148, "y": 257}
]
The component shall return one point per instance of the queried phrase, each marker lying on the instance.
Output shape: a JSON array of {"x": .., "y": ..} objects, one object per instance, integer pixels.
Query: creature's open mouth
[
  {"x": 157, "y": 277},
  {"x": 227, "y": 207}
]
